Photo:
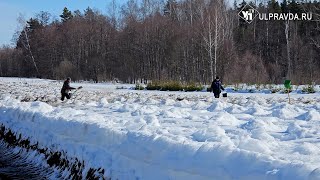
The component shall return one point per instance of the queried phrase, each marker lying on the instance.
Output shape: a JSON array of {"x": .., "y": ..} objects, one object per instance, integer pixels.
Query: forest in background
[{"x": 184, "y": 40}]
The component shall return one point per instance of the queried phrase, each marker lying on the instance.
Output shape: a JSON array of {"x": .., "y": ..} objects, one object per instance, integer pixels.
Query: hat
[
  {"x": 217, "y": 77},
  {"x": 69, "y": 78}
]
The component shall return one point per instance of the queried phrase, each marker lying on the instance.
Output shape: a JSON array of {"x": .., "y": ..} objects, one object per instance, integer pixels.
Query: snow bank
[
  {"x": 153, "y": 136},
  {"x": 143, "y": 154}
]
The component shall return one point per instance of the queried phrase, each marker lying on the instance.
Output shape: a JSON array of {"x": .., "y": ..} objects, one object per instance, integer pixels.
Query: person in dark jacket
[
  {"x": 65, "y": 90},
  {"x": 216, "y": 87}
]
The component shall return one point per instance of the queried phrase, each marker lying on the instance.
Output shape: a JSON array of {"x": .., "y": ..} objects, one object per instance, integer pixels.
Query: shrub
[
  {"x": 236, "y": 87},
  {"x": 286, "y": 91},
  {"x": 173, "y": 86},
  {"x": 193, "y": 87},
  {"x": 308, "y": 89},
  {"x": 275, "y": 90},
  {"x": 153, "y": 86},
  {"x": 139, "y": 87},
  {"x": 270, "y": 86},
  {"x": 264, "y": 86},
  {"x": 259, "y": 86}
]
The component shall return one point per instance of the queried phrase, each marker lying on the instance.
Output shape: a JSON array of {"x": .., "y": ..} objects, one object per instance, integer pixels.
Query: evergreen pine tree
[{"x": 66, "y": 15}]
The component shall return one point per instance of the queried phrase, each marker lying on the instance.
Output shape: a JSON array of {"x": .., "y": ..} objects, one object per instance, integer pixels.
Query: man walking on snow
[
  {"x": 216, "y": 87},
  {"x": 65, "y": 90}
]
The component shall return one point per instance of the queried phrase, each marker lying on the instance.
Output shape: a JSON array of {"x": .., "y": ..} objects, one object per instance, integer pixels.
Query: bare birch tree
[
  {"x": 26, "y": 43},
  {"x": 213, "y": 31},
  {"x": 287, "y": 30}
]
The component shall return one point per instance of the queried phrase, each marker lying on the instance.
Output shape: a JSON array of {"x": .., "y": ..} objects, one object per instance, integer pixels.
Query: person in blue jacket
[{"x": 216, "y": 87}]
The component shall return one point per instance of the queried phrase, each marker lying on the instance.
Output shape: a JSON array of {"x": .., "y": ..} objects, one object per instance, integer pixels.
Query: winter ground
[{"x": 152, "y": 135}]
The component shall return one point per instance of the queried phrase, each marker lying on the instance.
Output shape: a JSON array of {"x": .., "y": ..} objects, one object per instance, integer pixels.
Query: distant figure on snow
[
  {"x": 216, "y": 87},
  {"x": 65, "y": 90}
]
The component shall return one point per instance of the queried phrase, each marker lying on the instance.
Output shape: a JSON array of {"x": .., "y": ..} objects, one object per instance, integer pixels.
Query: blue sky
[{"x": 10, "y": 10}]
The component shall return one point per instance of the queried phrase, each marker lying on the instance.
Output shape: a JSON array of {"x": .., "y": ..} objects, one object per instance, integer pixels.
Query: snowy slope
[{"x": 151, "y": 135}]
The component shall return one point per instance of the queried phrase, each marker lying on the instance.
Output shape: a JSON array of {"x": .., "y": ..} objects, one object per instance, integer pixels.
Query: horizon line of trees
[{"x": 186, "y": 40}]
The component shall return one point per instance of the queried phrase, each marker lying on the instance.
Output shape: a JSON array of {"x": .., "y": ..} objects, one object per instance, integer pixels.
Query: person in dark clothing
[
  {"x": 216, "y": 87},
  {"x": 65, "y": 90}
]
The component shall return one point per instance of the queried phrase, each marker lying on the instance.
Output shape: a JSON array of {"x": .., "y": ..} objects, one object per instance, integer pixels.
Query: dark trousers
[
  {"x": 67, "y": 95},
  {"x": 216, "y": 93}
]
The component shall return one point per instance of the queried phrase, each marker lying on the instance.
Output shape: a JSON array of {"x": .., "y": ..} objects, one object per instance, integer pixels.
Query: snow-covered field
[{"x": 152, "y": 135}]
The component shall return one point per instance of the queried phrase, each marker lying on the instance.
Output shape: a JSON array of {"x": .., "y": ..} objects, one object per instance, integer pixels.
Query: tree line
[{"x": 186, "y": 41}]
